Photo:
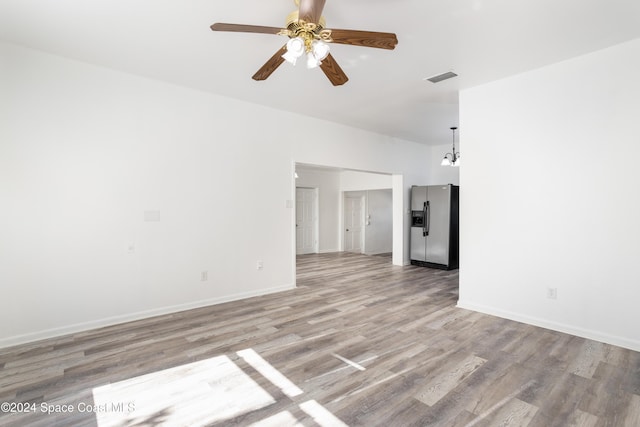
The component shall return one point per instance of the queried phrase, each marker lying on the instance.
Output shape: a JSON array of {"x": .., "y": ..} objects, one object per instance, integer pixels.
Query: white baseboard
[
  {"x": 555, "y": 326},
  {"x": 328, "y": 251},
  {"x": 110, "y": 321}
]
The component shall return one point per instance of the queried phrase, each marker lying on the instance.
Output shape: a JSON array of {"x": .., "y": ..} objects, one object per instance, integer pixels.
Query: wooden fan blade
[
  {"x": 365, "y": 38},
  {"x": 270, "y": 66},
  {"x": 240, "y": 28},
  {"x": 311, "y": 10},
  {"x": 333, "y": 71}
]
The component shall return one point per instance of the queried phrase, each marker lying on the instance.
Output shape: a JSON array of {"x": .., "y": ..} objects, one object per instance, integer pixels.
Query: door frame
[{"x": 401, "y": 215}]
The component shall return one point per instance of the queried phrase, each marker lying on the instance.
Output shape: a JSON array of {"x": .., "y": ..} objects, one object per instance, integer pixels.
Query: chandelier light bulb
[{"x": 445, "y": 162}]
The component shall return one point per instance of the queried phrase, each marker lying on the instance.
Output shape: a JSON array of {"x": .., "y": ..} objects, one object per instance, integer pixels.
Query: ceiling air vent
[{"x": 441, "y": 77}]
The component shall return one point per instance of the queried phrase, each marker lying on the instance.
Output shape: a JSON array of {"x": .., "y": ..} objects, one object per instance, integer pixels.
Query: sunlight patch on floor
[
  {"x": 281, "y": 419},
  {"x": 269, "y": 372},
  {"x": 321, "y": 415},
  {"x": 198, "y": 393},
  {"x": 349, "y": 362},
  {"x": 206, "y": 392}
]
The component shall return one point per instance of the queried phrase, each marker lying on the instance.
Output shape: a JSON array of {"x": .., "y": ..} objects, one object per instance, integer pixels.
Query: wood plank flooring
[{"x": 360, "y": 342}]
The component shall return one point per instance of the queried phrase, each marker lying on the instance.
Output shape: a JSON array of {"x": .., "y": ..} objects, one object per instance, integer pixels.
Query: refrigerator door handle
[{"x": 427, "y": 214}]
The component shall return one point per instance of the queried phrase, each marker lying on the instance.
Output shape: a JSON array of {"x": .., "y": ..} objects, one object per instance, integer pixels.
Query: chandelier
[{"x": 453, "y": 158}]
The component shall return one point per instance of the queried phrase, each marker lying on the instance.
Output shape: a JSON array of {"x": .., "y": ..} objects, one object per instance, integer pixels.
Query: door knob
[{"x": 347, "y": 229}]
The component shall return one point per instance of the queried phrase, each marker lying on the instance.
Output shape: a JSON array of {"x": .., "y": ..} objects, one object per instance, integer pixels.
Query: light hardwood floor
[{"x": 360, "y": 342}]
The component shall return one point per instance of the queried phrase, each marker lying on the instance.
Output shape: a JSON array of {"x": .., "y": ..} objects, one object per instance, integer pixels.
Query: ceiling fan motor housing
[{"x": 308, "y": 31}]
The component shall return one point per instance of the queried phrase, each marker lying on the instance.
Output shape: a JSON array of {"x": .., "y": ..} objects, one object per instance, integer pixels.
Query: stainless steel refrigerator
[{"x": 434, "y": 226}]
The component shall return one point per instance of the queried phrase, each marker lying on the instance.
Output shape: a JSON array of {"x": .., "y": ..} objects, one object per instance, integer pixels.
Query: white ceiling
[{"x": 481, "y": 40}]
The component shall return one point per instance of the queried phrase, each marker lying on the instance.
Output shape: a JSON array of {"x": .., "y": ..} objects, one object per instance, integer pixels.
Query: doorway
[{"x": 331, "y": 183}]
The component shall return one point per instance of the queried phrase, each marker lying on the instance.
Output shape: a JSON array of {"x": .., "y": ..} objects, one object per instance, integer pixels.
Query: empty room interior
[{"x": 414, "y": 213}]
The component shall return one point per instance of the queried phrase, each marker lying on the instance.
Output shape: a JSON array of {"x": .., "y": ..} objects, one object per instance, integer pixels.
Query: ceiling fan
[{"x": 308, "y": 35}]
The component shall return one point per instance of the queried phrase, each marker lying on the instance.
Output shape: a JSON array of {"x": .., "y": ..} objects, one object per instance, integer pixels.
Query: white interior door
[
  {"x": 353, "y": 224},
  {"x": 306, "y": 220}
]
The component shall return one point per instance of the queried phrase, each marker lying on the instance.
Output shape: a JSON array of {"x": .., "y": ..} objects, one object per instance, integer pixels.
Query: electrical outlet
[
  {"x": 259, "y": 265},
  {"x": 552, "y": 293},
  {"x": 204, "y": 276}
]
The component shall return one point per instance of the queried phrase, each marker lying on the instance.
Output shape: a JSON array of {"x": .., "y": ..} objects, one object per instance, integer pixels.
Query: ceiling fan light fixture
[
  {"x": 319, "y": 51},
  {"x": 295, "y": 49},
  {"x": 306, "y": 24},
  {"x": 312, "y": 61}
]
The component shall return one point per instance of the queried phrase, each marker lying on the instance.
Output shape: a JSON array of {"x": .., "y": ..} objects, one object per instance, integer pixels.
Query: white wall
[
  {"x": 358, "y": 181},
  {"x": 561, "y": 210},
  {"x": 328, "y": 185},
  {"x": 85, "y": 151}
]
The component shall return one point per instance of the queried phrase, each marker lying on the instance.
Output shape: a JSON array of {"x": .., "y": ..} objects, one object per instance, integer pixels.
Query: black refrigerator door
[{"x": 417, "y": 237}]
